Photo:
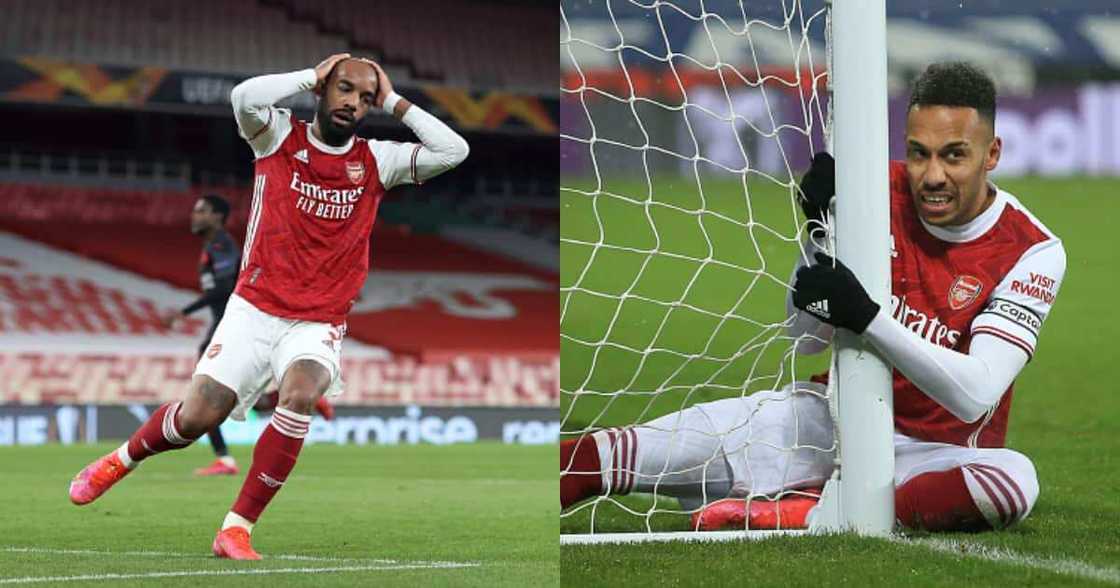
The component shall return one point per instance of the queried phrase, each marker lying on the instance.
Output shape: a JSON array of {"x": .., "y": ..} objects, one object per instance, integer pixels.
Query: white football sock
[
  {"x": 235, "y": 520},
  {"x": 126, "y": 459},
  {"x": 228, "y": 460}
]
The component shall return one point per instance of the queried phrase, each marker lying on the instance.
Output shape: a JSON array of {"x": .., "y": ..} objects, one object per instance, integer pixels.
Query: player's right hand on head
[
  {"x": 324, "y": 69},
  {"x": 818, "y": 186}
]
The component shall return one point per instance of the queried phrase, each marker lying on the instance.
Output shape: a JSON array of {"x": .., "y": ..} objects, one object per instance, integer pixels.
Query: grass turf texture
[
  {"x": 1064, "y": 415},
  {"x": 489, "y": 504}
]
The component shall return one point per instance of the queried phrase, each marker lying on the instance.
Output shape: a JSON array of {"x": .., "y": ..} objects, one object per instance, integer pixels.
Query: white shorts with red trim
[
  {"x": 1003, "y": 482},
  {"x": 251, "y": 349},
  {"x": 770, "y": 442}
]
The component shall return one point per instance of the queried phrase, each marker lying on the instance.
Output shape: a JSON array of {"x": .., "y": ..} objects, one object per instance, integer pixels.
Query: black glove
[
  {"x": 834, "y": 295},
  {"x": 818, "y": 186}
]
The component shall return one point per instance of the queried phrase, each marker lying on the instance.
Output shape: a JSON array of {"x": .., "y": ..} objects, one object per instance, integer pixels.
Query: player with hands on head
[{"x": 316, "y": 192}]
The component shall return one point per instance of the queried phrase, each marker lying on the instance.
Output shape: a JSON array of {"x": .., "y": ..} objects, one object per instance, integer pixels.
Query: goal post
[
  {"x": 864, "y": 397},
  {"x": 682, "y": 143}
]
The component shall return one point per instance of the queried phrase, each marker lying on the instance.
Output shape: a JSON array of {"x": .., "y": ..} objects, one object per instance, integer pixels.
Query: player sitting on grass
[
  {"x": 306, "y": 255},
  {"x": 974, "y": 276}
]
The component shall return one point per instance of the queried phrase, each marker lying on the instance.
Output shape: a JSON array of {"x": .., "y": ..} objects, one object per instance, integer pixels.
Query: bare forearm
[{"x": 401, "y": 108}]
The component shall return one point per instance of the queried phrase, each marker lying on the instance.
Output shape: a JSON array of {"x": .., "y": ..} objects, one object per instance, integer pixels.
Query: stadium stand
[
  {"x": 250, "y": 37},
  {"x": 124, "y": 227},
  {"x": 95, "y": 195}
]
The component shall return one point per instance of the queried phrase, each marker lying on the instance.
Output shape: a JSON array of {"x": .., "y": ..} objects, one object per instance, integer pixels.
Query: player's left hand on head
[
  {"x": 384, "y": 86},
  {"x": 830, "y": 291}
]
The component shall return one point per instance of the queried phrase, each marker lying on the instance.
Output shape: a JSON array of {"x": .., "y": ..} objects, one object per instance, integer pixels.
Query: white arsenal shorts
[
  {"x": 780, "y": 440},
  {"x": 251, "y": 348}
]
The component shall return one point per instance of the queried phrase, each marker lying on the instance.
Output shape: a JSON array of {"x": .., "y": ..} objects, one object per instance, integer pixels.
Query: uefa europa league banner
[{"x": 35, "y": 79}]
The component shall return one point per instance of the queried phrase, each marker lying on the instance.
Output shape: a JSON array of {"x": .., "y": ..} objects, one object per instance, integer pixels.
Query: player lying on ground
[
  {"x": 217, "y": 275},
  {"x": 306, "y": 256},
  {"x": 974, "y": 276}
]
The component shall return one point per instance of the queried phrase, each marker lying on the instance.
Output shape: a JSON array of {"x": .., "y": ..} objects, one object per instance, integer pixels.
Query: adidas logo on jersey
[{"x": 301, "y": 155}]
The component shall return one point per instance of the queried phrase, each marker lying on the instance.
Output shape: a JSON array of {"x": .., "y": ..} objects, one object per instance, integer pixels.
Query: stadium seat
[{"x": 249, "y": 37}]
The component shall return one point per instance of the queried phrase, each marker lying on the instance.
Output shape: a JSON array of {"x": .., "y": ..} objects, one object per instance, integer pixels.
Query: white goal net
[{"x": 685, "y": 126}]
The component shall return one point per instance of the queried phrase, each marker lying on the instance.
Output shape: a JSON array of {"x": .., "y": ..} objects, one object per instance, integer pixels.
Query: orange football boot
[
  {"x": 233, "y": 543},
  {"x": 218, "y": 468},
  {"x": 323, "y": 407},
  {"x": 732, "y": 513},
  {"x": 96, "y": 478}
]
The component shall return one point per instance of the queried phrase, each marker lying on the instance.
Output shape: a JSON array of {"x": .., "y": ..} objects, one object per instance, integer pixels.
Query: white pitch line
[
  {"x": 677, "y": 537},
  {"x": 49, "y": 551},
  {"x": 252, "y": 572},
  {"x": 1067, "y": 567}
]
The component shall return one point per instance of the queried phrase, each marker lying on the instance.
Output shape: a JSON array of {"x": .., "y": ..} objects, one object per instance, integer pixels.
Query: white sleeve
[
  {"x": 1021, "y": 302},
  {"x": 440, "y": 149},
  {"x": 968, "y": 385},
  {"x": 260, "y": 123},
  {"x": 813, "y": 335}
]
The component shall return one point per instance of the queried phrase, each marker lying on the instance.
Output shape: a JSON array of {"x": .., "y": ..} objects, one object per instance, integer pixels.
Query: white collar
[
  {"x": 321, "y": 146},
  {"x": 974, "y": 228}
]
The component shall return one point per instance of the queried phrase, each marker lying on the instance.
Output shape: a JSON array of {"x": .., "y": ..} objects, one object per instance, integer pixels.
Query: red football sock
[
  {"x": 581, "y": 458},
  {"x": 938, "y": 501},
  {"x": 160, "y": 433},
  {"x": 273, "y": 459}
]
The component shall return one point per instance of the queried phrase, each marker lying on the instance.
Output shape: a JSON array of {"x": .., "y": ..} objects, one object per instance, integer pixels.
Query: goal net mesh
[{"x": 685, "y": 126}]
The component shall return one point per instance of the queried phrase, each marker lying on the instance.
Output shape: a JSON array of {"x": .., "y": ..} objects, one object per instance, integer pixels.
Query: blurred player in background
[
  {"x": 217, "y": 274},
  {"x": 306, "y": 256}
]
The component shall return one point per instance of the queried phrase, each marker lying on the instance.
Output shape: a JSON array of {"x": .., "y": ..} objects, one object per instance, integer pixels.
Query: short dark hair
[
  {"x": 334, "y": 71},
  {"x": 218, "y": 204},
  {"x": 956, "y": 83}
]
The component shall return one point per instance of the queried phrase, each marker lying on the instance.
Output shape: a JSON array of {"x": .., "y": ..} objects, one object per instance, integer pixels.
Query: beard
[{"x": 333, "y": 133}]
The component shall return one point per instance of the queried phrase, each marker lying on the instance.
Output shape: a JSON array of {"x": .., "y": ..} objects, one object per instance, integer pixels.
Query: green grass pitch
[
  {"x": 347, "y": 516},
  {"x": 1064, "y": 415}
]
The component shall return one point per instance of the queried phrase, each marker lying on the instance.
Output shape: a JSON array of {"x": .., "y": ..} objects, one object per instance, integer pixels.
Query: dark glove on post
[
  {"x": 818, "y": 185},
  {"x": 834, "y": 295}
]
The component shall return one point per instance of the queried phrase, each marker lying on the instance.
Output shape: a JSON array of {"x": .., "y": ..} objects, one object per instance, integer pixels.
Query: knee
[
  {"x": 194, "y": 421},
  {"x": 299, "y": 399},
  {"x": 303, "y": 384},
  {"x": 208, "y": 404},
  {"x": 1023, "y": 475},
  {"x": 1013, "y": 479}
]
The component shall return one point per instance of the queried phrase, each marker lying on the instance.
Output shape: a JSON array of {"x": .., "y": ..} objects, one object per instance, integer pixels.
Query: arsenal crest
[
  {"x": 355, "y": 171},
  {"x": 964, "y": 291}
]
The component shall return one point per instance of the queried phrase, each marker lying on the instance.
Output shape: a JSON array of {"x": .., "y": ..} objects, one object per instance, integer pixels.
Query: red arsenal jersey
[
  {"x": 996, "y": 275},
  {"x": 307, "y": 245}
]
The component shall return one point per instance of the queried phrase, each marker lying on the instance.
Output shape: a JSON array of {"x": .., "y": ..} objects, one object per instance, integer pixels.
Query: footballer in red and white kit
[
  {"x": 306, "y": 255},
  {"x": 973, "y": 277}
]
